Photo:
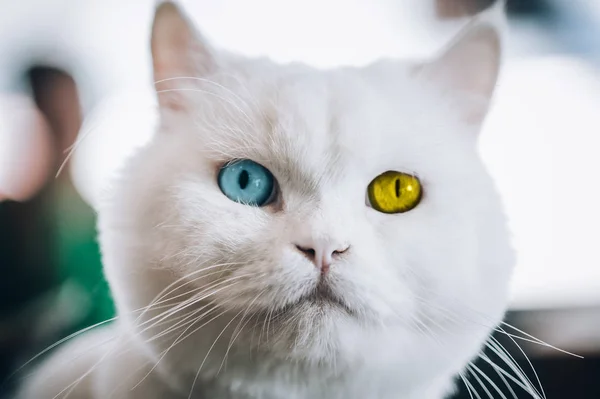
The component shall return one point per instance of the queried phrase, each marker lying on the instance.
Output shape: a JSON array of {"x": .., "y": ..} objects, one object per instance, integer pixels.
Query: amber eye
[{"x": 394, "y": 192}]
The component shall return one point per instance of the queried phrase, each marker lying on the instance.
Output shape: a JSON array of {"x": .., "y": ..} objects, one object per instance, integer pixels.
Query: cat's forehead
[{"x": 319, "y": 124}]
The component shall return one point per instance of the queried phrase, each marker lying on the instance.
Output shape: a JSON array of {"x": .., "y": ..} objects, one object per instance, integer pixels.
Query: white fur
[{"x": 424, "y": 288}]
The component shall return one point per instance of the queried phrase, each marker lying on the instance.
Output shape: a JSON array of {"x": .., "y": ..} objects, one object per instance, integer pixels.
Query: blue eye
[{"x": 247, "y": 182}]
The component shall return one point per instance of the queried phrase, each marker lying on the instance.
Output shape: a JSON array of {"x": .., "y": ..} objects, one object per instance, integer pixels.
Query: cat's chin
[
  {"x": 306, "y": 332},
  {"x": 322, "y": 300}
]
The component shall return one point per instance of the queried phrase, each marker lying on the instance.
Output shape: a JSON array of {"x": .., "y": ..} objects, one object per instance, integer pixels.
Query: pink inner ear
[
  {"x": 178, "y": 51},
  {"x": 471, "y": 64},
  {"x": 171, "y": 42},
  {"x": 468, "y": 70}
]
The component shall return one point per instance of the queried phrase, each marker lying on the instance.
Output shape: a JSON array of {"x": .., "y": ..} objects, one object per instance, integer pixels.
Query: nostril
[
  {"x": 308, "y": 252},
  {"x": 340, "y": 251}
]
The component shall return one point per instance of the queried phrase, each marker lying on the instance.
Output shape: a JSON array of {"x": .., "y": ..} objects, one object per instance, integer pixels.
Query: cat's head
[{"x": 324, "y": 203}]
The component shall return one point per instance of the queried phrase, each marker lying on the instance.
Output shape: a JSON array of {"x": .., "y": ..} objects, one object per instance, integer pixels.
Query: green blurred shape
[{"x": 78, "y": 254}]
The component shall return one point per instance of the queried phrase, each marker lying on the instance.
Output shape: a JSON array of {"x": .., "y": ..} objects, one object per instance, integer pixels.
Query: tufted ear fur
[{"x": 178, "y": 51}]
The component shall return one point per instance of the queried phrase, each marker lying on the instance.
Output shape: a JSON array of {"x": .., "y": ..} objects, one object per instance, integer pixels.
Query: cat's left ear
[
  {"x": 178, "y": 54},
  {"x": 468, "y": 68}
]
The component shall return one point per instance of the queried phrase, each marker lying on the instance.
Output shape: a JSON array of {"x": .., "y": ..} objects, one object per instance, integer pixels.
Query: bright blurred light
[
  {"x": 24, "y": 148},
  {"x": 541, "y": 144},
  {"x": 123, "y": 122}
]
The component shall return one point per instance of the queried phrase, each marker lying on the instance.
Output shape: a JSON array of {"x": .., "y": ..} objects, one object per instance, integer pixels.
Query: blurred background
[{"x": 75, "y": 75}]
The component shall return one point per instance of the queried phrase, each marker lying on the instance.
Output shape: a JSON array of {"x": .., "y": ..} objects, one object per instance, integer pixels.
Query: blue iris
[{"x": 247, "y": 182}]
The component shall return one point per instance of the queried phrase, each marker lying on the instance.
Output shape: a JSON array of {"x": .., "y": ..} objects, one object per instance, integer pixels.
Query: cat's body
[{"x": 406, "y": 302}]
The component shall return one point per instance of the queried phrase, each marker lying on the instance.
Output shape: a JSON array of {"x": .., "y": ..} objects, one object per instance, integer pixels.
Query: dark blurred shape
[
  {"x": 26, "y": 272},
  {"x": 28, "y": 269},
  {"x": 536, "y": 9},
  {"x": 562, "y": 376},
  {"x": 55, "y": 94},
  {"x": 529, "y": 8}
]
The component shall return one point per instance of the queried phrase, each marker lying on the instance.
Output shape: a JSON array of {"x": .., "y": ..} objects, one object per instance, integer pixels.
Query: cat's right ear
[{"x": 179, "y": 55}]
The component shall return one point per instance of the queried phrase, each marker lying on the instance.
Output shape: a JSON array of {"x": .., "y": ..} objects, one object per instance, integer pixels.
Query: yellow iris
[{"x": 394, "y": 192}]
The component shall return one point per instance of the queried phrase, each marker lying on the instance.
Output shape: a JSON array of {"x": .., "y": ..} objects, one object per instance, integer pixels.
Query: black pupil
[
  {"x": 244, "y": 179},
  {"x": 398, "y": 188}
]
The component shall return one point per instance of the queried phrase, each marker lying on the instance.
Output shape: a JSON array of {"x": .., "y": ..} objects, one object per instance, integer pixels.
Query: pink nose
[{"x": 321, "y": 252}]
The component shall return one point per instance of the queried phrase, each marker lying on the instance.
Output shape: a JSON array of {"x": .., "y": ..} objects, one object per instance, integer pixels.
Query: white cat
[{"x": 298, "y": 233}]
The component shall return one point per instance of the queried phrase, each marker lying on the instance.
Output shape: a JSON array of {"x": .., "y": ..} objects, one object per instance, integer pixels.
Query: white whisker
[{"x": 489, "y": 380}]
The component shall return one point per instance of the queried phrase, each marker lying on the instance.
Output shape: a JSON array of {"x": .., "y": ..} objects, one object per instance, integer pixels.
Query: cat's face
[{"x": 318, "y": 261}]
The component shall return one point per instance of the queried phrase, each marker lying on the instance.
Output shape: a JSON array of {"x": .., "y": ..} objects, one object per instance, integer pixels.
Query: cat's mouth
[{"x": 323, "y": 297}]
